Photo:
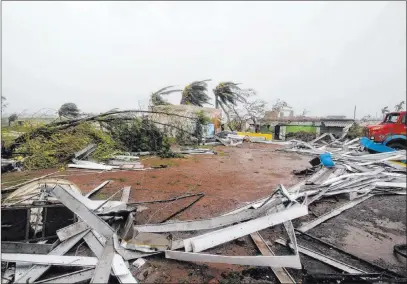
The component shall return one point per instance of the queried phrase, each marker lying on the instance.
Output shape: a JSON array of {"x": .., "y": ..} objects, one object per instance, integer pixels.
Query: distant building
[
  {"x": 189, "y": 111},
  {"x": 284, "y": 125},
  {"x": 276, "y": 114}
]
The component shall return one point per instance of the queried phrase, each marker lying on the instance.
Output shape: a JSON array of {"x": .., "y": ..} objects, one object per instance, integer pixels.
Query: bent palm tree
[
  {"x": 399, "y": 106},
  {"x": 157, "y": 99},
  {"x": 228, "y": 94},
  {"x": 385, "y": 110},
  {"x": 195, "y": 94}
]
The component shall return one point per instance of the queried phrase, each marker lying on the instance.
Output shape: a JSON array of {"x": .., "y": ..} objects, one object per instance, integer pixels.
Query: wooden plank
[{"x": 281, "y": 273}]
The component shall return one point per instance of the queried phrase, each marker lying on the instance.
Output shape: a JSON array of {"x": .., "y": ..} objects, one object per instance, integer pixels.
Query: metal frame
[{"x": 44, "y": 218}]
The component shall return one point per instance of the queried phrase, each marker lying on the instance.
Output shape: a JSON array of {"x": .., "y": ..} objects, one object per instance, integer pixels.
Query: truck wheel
[{"x": 397, "y": 146}]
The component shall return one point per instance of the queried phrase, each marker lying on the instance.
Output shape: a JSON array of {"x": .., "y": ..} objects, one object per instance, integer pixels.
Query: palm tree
[
  {"x": 195, "y": 94},
  {"x": 229, "y": 93},
  {"x": 157, "y": 99},
  {"x": 399, "y": 106},
  {"x": 385, "y": 110}
]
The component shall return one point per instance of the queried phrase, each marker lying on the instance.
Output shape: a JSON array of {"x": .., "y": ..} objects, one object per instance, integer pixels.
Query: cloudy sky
[{"x": 325, "y": 57}]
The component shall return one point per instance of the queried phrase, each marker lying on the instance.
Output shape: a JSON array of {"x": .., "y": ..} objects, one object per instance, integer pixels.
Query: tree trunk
[
  {"x": 227, "y": 117},
  {"x": 216, "y": 102}
]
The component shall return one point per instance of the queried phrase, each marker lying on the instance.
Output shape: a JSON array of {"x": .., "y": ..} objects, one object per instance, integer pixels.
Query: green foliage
[
  {"x": 301, "y": 135},
  {"x": 229, "y": 93},
  {"x": 139, "y": 135},
  {"x": 195, "y": 94},
  {"x": 202, "y": 119},
  {"x": 46, "y": 151},
  {"x": 157, "y": 97},
  {"x": 12, "y": 118},
  {"x": 355, "y": 131},
  {"x": 68, "y": 110}
]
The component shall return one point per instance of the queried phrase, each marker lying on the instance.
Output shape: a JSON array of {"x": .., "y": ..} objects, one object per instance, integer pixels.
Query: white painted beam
[
  {"x": 215, "y": 238},
  {"x": 271, "y": 261}
]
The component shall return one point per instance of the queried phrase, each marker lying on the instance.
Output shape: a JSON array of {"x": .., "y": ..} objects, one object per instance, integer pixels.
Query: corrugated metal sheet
[{"x": 337, "y": 123}]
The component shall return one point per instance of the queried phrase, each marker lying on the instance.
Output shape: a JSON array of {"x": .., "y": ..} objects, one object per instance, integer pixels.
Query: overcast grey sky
[{"x": 325, "y": 57}]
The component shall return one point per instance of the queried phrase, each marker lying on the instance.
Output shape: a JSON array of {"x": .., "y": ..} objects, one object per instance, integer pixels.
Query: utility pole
[{"x": 354, "y": 114}]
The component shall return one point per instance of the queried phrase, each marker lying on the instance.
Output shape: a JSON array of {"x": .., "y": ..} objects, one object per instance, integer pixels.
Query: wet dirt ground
[{"x": 231, "y": 179}]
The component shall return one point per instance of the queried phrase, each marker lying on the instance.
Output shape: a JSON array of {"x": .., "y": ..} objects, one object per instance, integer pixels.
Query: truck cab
[{"x": 391, "y": 131}]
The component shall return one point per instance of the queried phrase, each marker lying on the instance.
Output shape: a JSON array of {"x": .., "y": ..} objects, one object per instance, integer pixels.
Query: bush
[
  {"x": 139, "y": 135},
  {"x": 355, "y": 131}
]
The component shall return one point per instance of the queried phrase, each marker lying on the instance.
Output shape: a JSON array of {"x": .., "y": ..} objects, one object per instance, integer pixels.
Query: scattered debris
[
  {"x": 97, "y": 189},
  {"x": 113, "y": 236},
  {"x": 139, "y": 263}
]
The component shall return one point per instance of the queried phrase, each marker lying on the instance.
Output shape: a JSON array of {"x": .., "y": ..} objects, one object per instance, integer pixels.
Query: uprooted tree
[{"x": 114, "y": 132}]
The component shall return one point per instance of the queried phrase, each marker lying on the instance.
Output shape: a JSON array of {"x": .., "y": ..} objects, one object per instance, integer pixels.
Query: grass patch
[
  {"x": 222, "y": 153},
  {"x": 100, "y": 196}
]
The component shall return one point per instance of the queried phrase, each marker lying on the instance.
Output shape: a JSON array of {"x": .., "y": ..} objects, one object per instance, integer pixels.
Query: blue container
[{"x": 326, "y": 160}]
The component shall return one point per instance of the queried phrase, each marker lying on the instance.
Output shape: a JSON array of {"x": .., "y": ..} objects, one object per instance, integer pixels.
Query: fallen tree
[
  {"x": 113, "y": 132},
  {"x": 47, "y": 130}
]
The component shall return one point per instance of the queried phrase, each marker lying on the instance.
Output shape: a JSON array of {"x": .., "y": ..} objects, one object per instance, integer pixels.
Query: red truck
[{"x": 391, "y": 131}]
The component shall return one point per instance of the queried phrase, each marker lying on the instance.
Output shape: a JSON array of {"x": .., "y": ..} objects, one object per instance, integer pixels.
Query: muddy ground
[{"x": 230, "y": 179}]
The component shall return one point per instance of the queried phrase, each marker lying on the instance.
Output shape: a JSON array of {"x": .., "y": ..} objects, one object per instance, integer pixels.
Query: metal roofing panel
[{"x": 337, "y": 123}]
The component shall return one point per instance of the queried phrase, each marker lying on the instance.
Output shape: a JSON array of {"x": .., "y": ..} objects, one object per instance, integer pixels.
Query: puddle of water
[
  {"x": 373, "y": 244},
  {"x": 386, "y": 223}
]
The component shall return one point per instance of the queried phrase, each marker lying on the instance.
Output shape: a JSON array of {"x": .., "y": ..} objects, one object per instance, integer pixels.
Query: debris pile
[
  {"x": 108, "y": 229},
  {"x": 54, "y": 218}
]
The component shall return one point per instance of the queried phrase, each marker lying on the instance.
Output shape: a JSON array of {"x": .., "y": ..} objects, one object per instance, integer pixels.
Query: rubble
[{"x": 110, "y": 230}]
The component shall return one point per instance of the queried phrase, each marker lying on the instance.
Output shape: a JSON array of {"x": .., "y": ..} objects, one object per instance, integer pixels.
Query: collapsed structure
[{"x": 50, "y": 208}]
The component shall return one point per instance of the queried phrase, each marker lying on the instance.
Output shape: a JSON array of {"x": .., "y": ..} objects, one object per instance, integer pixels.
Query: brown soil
[{"x": 229, "y": 180}]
